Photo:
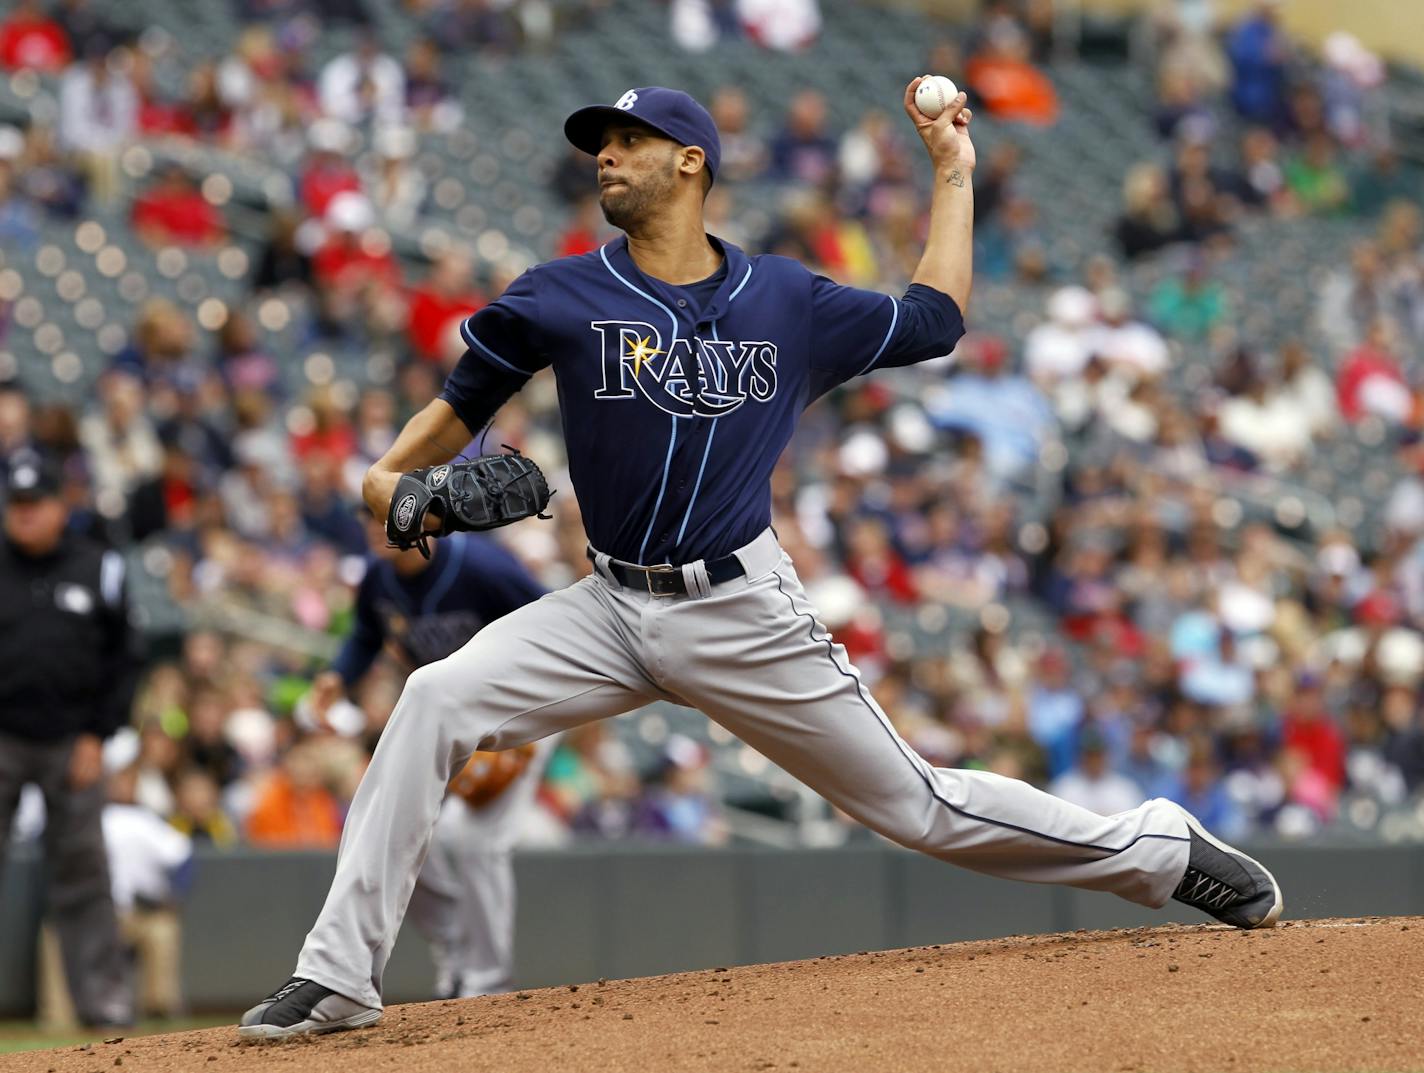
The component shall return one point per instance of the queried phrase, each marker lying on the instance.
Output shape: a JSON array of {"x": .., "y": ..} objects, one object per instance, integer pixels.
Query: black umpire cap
[{"x": 31, "y": 477}]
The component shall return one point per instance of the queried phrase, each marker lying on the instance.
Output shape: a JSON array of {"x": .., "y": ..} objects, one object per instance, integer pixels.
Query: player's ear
[{"x": 692, "y": 160}]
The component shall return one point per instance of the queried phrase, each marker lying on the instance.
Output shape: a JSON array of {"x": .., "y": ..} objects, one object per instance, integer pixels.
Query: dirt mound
[{"x": 1310, "y": 995}]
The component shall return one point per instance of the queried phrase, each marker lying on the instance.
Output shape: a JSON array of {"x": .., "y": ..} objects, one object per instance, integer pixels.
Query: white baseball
[{"x": 933, "y": 94}]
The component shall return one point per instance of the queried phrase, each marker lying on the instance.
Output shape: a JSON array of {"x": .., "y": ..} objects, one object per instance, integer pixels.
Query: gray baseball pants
[{"x": 750, "y": 654}]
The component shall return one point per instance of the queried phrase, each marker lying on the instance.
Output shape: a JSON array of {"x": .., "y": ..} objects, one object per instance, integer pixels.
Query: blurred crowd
[{"x": 1119, "y": 631}]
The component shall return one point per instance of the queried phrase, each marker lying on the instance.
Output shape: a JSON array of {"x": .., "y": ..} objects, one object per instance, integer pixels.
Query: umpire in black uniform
[{"x": 69, "y": 663}]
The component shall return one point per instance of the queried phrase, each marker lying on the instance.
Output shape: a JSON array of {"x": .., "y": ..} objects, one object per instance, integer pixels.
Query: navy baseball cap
[{"x": 670, "y": 112}]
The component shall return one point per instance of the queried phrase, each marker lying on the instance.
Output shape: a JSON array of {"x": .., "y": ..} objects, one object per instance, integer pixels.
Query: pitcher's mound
[{"x": 1308, "y": 996}]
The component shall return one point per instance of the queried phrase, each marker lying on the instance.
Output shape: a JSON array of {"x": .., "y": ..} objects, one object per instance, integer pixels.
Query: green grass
[{"x": 16, "y": 1036}]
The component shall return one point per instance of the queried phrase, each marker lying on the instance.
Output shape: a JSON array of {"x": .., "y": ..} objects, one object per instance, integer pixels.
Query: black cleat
[
  {"x": 301, "y": 1008},
  {"x": 1226, "y": 883}
]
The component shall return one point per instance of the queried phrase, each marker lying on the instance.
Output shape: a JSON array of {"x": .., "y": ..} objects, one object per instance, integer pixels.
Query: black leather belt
[{"x": 668, "y": 580}]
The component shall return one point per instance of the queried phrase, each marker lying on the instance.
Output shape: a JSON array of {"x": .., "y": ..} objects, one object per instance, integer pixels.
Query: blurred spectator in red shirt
[
  {"x": 29, "y": 39},
  {"x": 204, "y": 109},
  {"x": 329, "y": 430},
  {"x": 581, "y": 236},
  {"x": 174, "y": 212},
  {"x": 872, "y": 560},
  {"x": 443, "y": 299},
  {"x": 1010, "y": 87},
  {"x": 1369, "y": 379},
  {"x": 1309, "y": 729},
  {"x": 200, "y": 113},
  {"x": 156, "y": 114},
  {"x": 355, "y": 253},
  {"x": 327, "y": 172}
]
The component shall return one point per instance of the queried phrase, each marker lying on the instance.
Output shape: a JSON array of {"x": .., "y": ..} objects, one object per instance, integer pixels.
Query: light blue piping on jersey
[
  {"x": 740, "y": 285},
  {"x": 697, "y": 486},
  {"x": 894, "y": 316},
  {"x": 672, "y": 439},
  {"x": 470, "y": 338}
]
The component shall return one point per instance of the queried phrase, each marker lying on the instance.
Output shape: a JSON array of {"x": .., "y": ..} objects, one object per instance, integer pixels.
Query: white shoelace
[{"x": 1198, "y": 888}]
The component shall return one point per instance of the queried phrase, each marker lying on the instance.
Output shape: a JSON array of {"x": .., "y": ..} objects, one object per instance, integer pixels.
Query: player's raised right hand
[{"x": 946, "y": 137}]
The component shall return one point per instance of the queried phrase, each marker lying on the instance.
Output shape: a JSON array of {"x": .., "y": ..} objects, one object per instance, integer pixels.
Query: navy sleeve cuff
[
  {"x": 930, "y": 326},
  {"x": 476, "y": 388},
  {"x": 353, "y": 661}
]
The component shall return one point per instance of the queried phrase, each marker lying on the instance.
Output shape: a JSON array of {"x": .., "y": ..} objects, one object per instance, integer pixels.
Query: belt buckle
[{"x": 649, "y": 571}]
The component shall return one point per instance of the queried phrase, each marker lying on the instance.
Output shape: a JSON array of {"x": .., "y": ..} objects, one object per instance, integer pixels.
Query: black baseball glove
[{"x": 482, "y": 493}]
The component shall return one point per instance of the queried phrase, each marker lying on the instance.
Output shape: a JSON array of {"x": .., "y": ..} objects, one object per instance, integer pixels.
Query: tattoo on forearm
[{"x": 956, "y": 178}]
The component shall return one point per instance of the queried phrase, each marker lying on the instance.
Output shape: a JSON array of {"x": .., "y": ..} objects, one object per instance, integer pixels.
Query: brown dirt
[{"x": 1322, "y": 995}]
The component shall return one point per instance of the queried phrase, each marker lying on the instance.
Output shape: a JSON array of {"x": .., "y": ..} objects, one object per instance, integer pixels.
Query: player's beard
[{"x": 627, "y": 206}]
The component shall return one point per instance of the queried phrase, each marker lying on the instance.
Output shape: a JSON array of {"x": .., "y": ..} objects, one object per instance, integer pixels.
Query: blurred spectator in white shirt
[
  {"x": 1059, "y": 348},
  {"x": 783, "y": 25},
  {"x": 1352, "y": 297},
  {"x": 149, "y": 868},
  {"x": 1308, "y": 389},
  {"x": 395, "y": 185},
  {"x": 1352, "y": 72},
  {"x": 1267, "y": 423},
  {"x": 1127, "y": 345},
  {"x": 98, "y": 116},
  {"x": 364, "y": 85},
  {"x": 1092, "y": 784},
  {"x": 121, "y": 443},
  {"x": 697, "y": 25}
]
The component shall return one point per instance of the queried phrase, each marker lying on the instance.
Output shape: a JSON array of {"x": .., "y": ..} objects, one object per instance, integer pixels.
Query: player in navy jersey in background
[
  {"x": 428, "y": 609},
  {"x": 420, "y": 611}
]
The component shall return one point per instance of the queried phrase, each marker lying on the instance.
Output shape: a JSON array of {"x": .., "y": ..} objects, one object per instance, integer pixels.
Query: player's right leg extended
[
  {"x": 563, "y": 660},
  {"x": 755, "y": 658}
]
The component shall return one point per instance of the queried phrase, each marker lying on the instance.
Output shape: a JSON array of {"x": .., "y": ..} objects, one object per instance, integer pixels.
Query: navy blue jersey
[
  {"x": 470, "y": 581},
  {"x": 674, "y": 417}
]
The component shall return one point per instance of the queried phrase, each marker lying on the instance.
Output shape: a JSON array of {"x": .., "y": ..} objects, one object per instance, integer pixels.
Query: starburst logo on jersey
[
  {"x": 640, "y": 351},
  {"x": 690, "y": 377}
]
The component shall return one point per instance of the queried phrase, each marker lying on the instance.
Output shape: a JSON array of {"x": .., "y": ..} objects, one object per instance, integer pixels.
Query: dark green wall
[{"x": 630, "y": 910}]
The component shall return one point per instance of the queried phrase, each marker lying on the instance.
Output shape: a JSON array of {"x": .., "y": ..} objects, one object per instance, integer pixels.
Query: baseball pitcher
[{"x": 682, "y": 366}]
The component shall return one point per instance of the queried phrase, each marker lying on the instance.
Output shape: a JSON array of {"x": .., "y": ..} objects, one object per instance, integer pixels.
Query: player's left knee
[{"x": 424, "y": 696}]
